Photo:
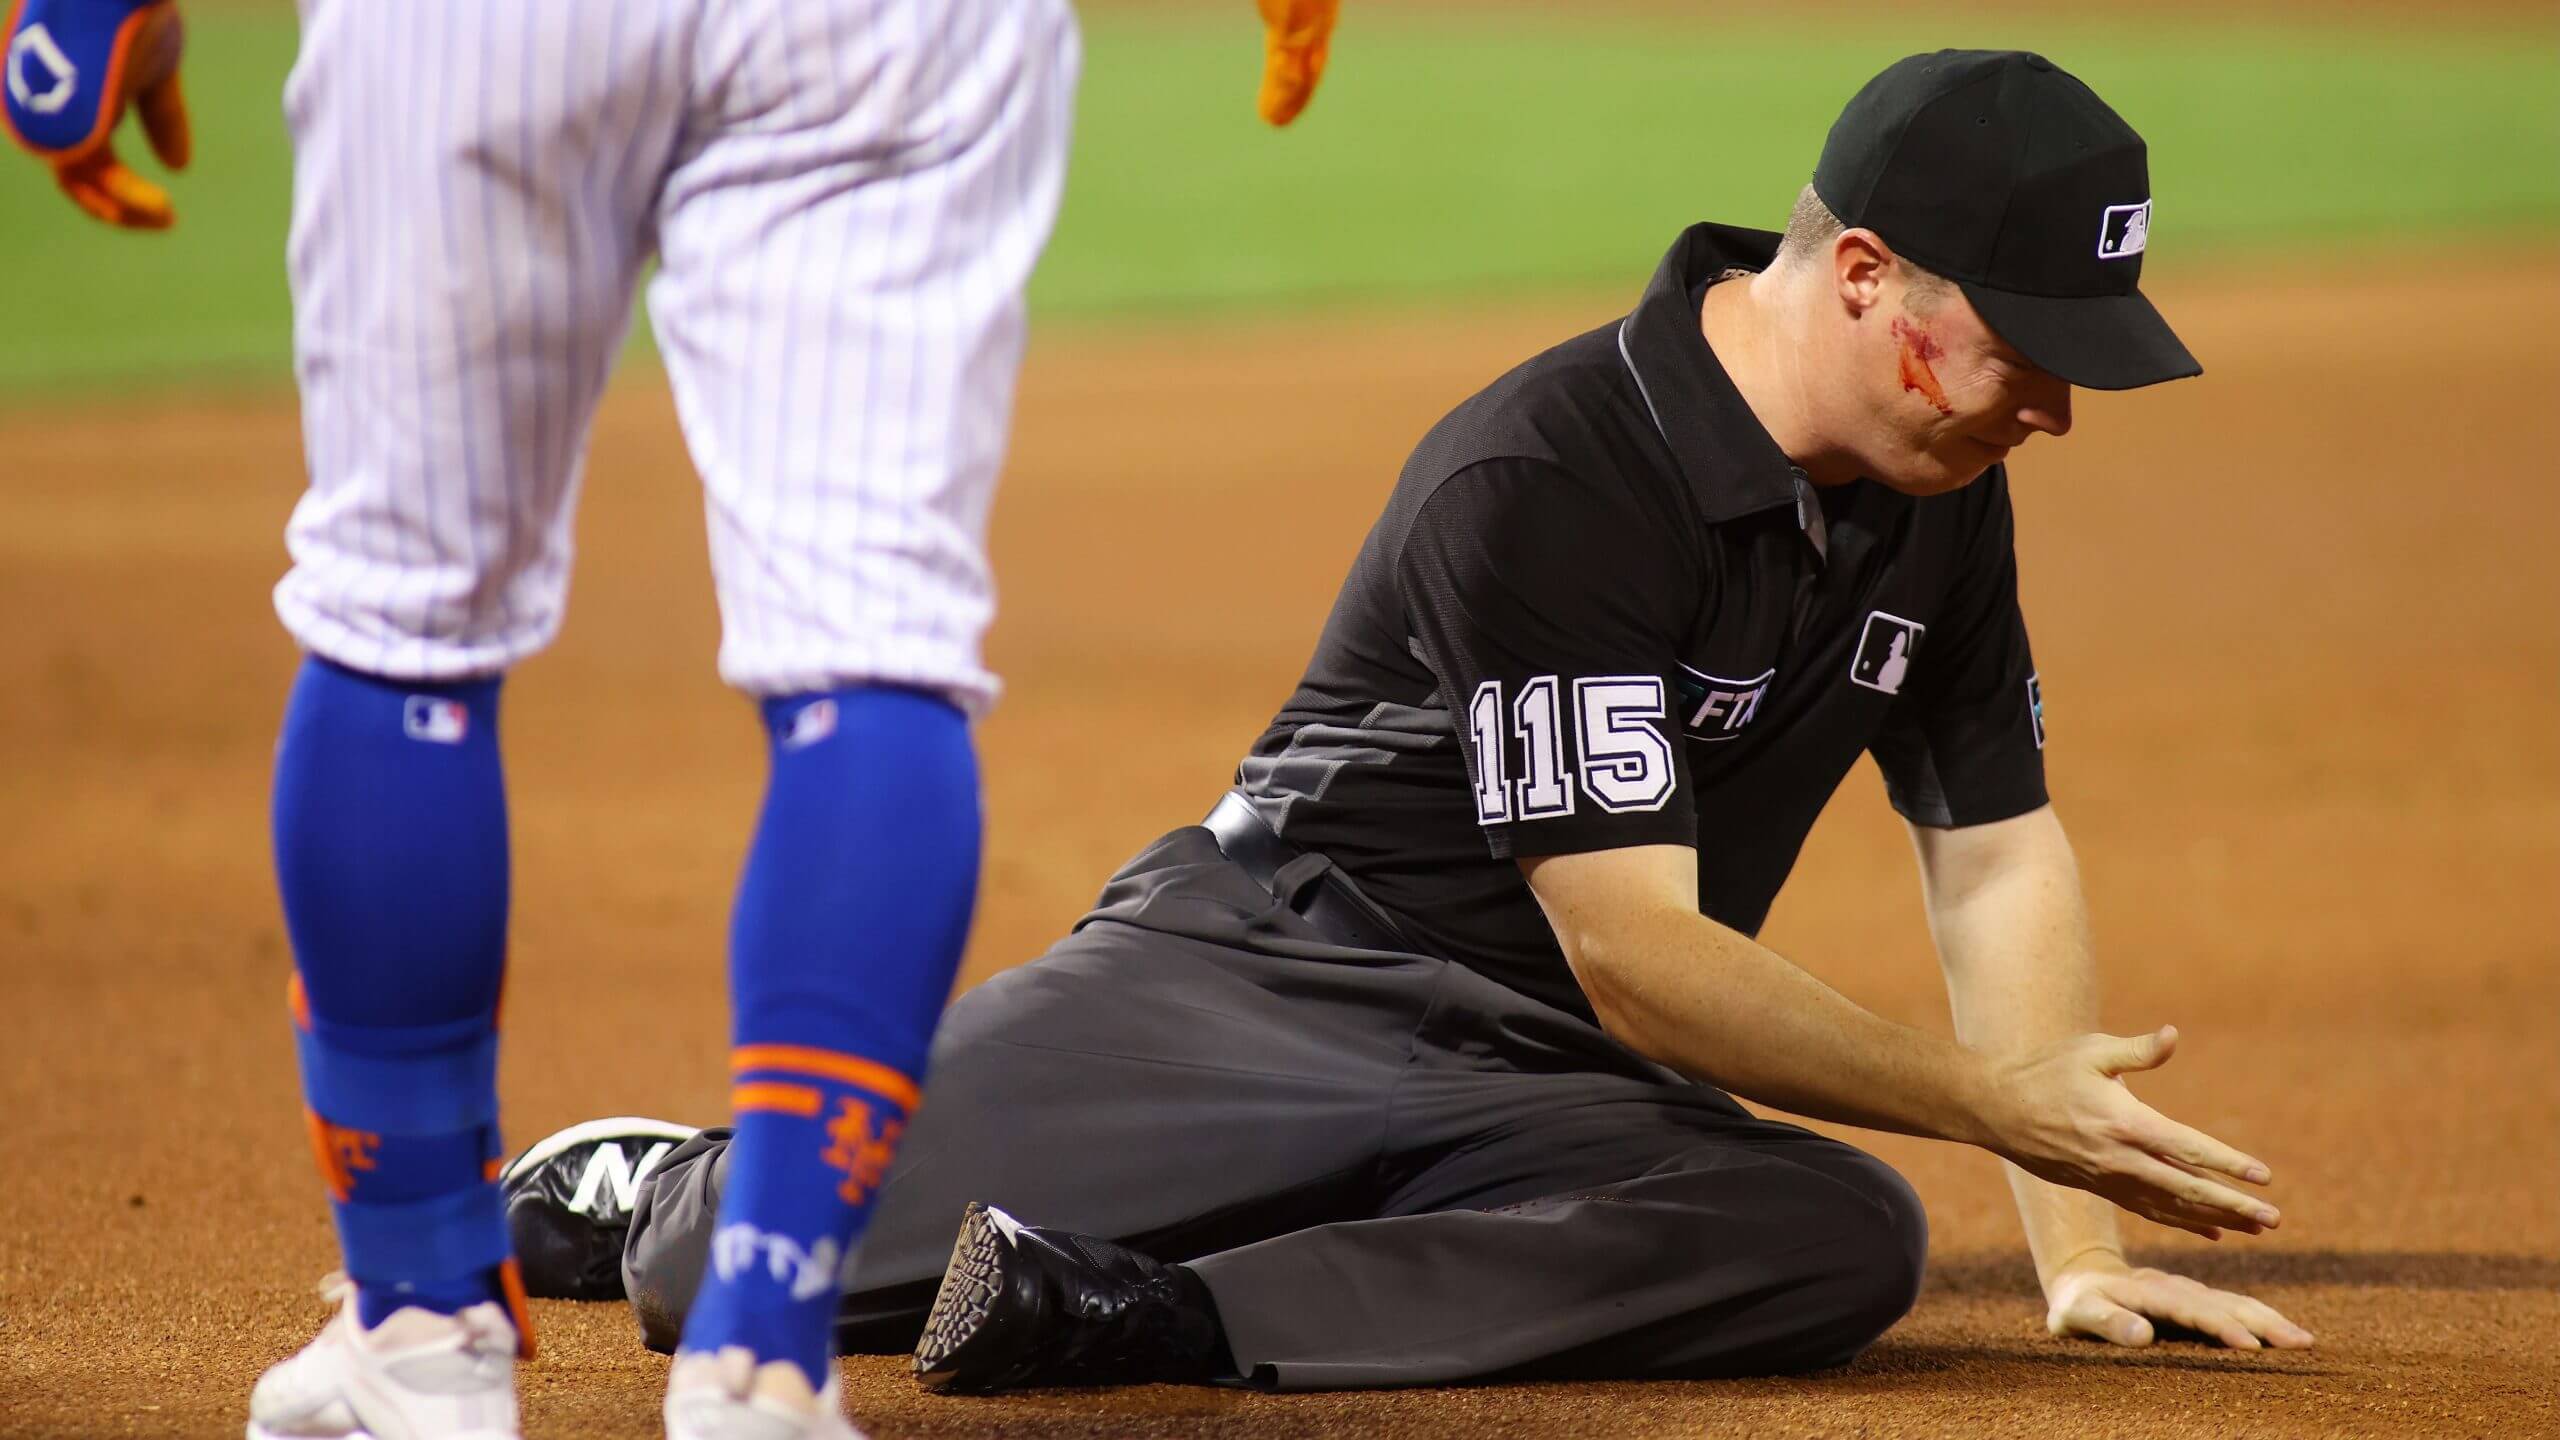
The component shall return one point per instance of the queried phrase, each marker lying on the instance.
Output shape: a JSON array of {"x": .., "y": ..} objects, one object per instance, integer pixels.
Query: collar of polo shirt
[{"x": 1724, "y": 452}]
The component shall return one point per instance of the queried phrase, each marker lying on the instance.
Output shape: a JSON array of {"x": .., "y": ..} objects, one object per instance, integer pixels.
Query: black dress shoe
[
  {"x": 1026, "y": 1306},
  {"x": 569, "y": 1200}
]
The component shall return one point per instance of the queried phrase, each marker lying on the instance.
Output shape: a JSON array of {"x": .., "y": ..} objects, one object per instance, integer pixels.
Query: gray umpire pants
[{"x": 1388, "y": 1169}]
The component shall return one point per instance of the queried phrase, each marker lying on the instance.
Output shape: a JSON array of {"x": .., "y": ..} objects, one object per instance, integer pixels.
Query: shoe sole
[
  {"x": 970, "y": 1284},
  {"x": 576, "y": 1135}
]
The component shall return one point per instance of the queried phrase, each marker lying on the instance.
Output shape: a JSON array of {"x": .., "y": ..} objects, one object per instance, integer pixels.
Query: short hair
[{"x": 1811, "y": 227}]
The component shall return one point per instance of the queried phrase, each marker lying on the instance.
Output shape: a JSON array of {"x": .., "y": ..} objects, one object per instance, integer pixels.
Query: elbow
[
  {"x": 1627, "y": 922},
  {"x": 1629, "y": 1028},
  {"x": 1613, "y": 982}
]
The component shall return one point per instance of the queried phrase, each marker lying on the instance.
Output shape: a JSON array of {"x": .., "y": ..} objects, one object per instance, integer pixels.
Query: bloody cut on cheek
[{"x": 1917, "y": 350}]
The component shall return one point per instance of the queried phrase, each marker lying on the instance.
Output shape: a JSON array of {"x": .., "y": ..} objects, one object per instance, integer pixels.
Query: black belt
[{"x": 1303, "y": 880}]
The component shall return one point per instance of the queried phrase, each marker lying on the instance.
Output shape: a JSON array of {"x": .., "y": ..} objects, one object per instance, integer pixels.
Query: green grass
[{"x": 1450, "y": 156}]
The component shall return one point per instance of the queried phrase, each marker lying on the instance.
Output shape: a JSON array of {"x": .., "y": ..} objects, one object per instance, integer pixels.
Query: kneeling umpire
[{"x": 1415, "y": 1056}]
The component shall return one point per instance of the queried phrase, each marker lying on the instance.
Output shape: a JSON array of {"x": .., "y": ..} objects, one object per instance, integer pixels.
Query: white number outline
[
  {"x": 1626, "y": 768},
  {"x": 1551, "y": 796},
  {"x": 1491, "y": 742}
]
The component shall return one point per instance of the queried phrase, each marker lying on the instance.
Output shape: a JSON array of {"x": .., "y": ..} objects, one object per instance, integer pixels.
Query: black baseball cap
[{"x": 2001, "y": 171}]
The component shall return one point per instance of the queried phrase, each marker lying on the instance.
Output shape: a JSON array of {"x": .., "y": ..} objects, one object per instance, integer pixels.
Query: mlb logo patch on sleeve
[
  {"x": 435, "y": 720},
  {"x": 2035, "y": 709},
  {"x": 1885, "y": 651}
]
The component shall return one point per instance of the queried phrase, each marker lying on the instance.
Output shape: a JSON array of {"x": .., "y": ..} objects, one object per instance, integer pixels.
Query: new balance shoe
[
  {"x": 569, "y": 1202},
  {"x": 416, "y": 1376},
  {"x": 1026, "y": 1306},
  {"x": 726, "y": 1395}
]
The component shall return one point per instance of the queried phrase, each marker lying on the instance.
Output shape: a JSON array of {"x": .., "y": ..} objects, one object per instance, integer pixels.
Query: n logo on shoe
[{"x": 609, "y": 1166}]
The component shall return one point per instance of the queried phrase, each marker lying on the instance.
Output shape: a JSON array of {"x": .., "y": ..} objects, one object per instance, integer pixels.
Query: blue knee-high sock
[
  {"x": 849, "y": 927},
  {"x": 390, "y": 823}
]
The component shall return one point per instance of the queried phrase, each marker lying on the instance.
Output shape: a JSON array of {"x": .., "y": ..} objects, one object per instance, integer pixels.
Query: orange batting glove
[
  {"x": 72, "y": 68},
  {"x": 1296, "y": 37}
]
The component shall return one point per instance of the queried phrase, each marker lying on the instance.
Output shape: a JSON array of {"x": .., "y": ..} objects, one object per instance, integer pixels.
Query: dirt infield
[{"x": 2297, "y": 632}]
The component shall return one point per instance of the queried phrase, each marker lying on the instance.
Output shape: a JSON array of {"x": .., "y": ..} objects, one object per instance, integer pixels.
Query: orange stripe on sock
[
  {"x": 774, "y": 1095},
  {"x": 296, "y": 1002},
  {"x": 871, "y": 1075}
]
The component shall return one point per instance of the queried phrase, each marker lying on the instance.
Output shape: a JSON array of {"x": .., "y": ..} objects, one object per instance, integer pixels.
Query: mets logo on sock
[
  {"x": 861, "y": 1144},
  {"x": 341, "y": 1153}
]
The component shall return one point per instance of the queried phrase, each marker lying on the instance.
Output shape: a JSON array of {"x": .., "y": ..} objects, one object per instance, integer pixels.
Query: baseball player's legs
[
  {"x": 472, "y": 185},
  {"x": 845, "y": 234},
  {"x": 474, "y": 192},
  {"x": 841, "y": 310}
]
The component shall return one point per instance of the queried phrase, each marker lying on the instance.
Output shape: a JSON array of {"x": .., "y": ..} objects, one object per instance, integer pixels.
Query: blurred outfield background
[{"x": 1455, "y": 155}]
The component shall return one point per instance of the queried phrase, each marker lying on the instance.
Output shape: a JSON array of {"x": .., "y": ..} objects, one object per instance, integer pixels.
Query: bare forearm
[
  {"x": 1715, "y": 1006},
  {"x": 2021, "y": 970},
  {"x": 1695, "y": 995}
]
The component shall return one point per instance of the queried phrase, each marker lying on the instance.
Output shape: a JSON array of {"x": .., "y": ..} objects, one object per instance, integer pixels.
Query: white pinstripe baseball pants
[{"x": 846, "y": 198}]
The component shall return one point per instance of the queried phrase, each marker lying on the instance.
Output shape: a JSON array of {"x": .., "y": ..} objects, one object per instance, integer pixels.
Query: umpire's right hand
[{"x": 2062, "y": 1113}]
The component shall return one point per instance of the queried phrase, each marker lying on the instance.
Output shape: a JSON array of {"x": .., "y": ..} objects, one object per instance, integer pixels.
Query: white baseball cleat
[
  {"x": 726, "y": 1395},
  {"x": 416, "y": 1376}
]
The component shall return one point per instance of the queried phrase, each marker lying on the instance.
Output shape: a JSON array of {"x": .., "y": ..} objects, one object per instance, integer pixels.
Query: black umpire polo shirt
[{"x": 1602, "y": 609}]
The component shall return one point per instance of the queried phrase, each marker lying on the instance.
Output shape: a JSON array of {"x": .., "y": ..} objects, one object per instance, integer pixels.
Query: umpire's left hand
[
  {"x": 73, "y": 67},
  {"x": 2100, "y": 1296}
]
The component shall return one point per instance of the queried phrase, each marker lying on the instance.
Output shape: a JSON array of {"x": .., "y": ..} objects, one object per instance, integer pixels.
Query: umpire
[{"x": 1412, "y": 1063}]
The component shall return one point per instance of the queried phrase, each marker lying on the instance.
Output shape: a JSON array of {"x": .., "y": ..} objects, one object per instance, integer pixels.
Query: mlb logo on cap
[
  {"x": 435, "y": 720},
  {"x": 2124, "y": 231}
]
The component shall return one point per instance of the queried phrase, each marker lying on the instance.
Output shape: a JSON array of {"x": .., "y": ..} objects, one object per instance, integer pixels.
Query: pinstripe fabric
[{"x": 847, "y": 197}]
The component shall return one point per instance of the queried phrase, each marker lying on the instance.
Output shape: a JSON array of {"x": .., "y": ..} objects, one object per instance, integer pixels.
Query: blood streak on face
[{"x": 1918, "y": 349}]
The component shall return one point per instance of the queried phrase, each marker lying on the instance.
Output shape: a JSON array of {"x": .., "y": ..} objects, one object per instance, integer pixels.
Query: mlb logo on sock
[
  {"x": 1885, "y": 651},
  {"x": 434, "y": 720},
  {"x": 814, "y": 722}
]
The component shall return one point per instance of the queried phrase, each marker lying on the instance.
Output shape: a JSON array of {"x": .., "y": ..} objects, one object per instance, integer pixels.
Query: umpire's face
[{"x": 1948, "y": 399}]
